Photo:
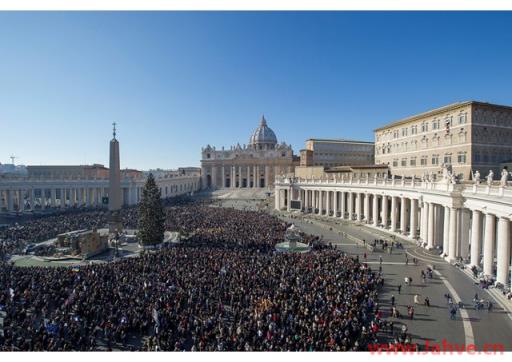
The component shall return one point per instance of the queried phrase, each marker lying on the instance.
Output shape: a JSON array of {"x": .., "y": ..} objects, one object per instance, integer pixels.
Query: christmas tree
[{"x": 151, "y": 214}]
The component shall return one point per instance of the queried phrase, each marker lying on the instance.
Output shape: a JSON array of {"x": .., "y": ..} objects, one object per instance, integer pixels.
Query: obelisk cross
[{"x": 114, "y": 124}]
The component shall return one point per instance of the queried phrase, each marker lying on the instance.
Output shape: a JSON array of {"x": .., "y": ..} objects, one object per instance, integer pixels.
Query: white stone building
[
  {"x": 468, "y": 221},
  {"x": 253, "y": 166},
  {"x": 25, "y": 194}
]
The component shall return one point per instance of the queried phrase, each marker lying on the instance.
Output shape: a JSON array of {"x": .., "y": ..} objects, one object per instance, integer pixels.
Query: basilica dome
[{"x": 263, "y": 137}]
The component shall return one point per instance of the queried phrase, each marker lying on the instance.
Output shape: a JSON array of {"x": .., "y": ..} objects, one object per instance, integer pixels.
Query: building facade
[
  {"x": 26, "y": 194},
  {"x": 253, "y": 166},
  {"x": 470, "y": 136},
  {"x": 337, "y": 152},
  {"x": 467, "y": 221}
]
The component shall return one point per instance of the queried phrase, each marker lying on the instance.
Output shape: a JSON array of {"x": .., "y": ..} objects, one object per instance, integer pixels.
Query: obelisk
[{"x": 114, "y": 191}]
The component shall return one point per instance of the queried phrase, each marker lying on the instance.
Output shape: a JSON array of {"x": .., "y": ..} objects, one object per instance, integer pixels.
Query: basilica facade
[{"x": 254, "y": 165}]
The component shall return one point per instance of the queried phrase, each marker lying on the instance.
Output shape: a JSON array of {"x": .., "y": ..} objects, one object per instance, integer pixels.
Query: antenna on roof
[{"x": 12, "y": 157}]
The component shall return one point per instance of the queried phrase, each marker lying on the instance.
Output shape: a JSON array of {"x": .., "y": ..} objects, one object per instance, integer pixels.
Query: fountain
[{"x": 292, "y": 241}]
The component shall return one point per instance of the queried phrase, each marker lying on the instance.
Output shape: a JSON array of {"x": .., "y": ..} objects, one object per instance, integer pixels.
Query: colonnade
[
  {"x": 461, "y": 224},
  {"x": 241, "y": 176},
  {"x": 20, "y": 195}
]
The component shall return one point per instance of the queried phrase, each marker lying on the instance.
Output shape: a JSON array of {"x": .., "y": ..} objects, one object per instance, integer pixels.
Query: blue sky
[{"x": 177, "y": 81}]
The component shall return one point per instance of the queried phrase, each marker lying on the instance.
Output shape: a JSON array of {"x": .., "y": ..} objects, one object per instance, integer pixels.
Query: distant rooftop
[
  {"x": 338, "y": 140},
  {"x": 442, "y": 109}
]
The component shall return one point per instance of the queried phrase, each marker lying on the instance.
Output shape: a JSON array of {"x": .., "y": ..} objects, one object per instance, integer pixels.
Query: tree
[{"x": 151, "y": 223}]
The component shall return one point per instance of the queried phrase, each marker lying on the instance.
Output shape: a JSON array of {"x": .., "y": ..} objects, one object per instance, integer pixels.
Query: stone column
[
  {"x": 53, "y": 197},
  {"x": 267, "y": 176},
  {"x": 464, "y": 234},
  {"x": 424, "y": 222},
  {"x": 452, "y": 235},
  {"x": 358, "y": 206},
  {"x": 413, "y": 218},
  {"x": 248, "y": 184},
  {"x": 10, "y": 200},
  {"x": 22, "y": 194},
  {"x": 375, "y": 210},
  {"x": 320, "y": 202},
  {"x": 403, "y": 215},
  {"x": 42, "y": 201},
  {"x": 342, "y": 194},
  {"x": 393, "y": 214},
  {"x": 88, "y": 196},
  {"x": 489, "y": 244},
  {"x": 276, "y": 198},
  {"x": 366, "y": 209},
  {"x": 384, "y": 211},
  {"x": 31, "y": 198},
  {"x": 503, "y": 251},
  {"x": 232, "y": 178},
  {"x": 288, "y": 199},
  {"x": 240, "y": 177},
  {"x": 350, "y": 205},
  {"x": 214, "y": 176},
  {"x": 430, "y": 222},
  {"x": 335, "y": 200},
  {"x": 446, "y": 231},
  {"x": 476, "y": 233},
  {"x": 62, "y": 198},
  {"x": 80, "y": 196},
  {"x": 223, "y": 170},
  {"x": 327, "y": 202}
]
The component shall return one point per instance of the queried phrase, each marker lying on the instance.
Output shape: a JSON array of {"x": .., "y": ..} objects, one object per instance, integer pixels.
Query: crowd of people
[
  {"x": 251, "y": 229},
  {"x": 225, "y": 288},
  {"x": 15, "y": 237}
]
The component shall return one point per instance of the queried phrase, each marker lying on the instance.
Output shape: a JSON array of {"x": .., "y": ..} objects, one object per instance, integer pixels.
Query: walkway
[{"x": 429, "y": 324}]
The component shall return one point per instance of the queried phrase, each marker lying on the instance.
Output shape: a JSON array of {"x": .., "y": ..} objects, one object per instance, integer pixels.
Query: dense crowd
[
  {"x": 17, "y": 236},
  {"x": 224, "y": 289},
  {"x": 251, "y": 229}
]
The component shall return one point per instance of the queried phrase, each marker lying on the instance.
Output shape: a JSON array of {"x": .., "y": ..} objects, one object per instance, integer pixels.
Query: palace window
[
  {"x": 461, "y": 157},
  {"x": 423, "y": 161},
  {"x": 413, "y": 161},
  {"x": 435, "y": 160},
  {"x": 435, "y": 124},
  {"x": 395, "y": 134},
  {"x": 448, "y": 158},
  {"x": 207, "y": 155},
  {"x": 404, "y": 162},
  {"x": 414, "y": 129},
  {"x": 395, "y": 163},
  {"x": 463, "y": 117},
  {"x": 404, "y": 132},
  {"x": 424, "y": 127}
]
